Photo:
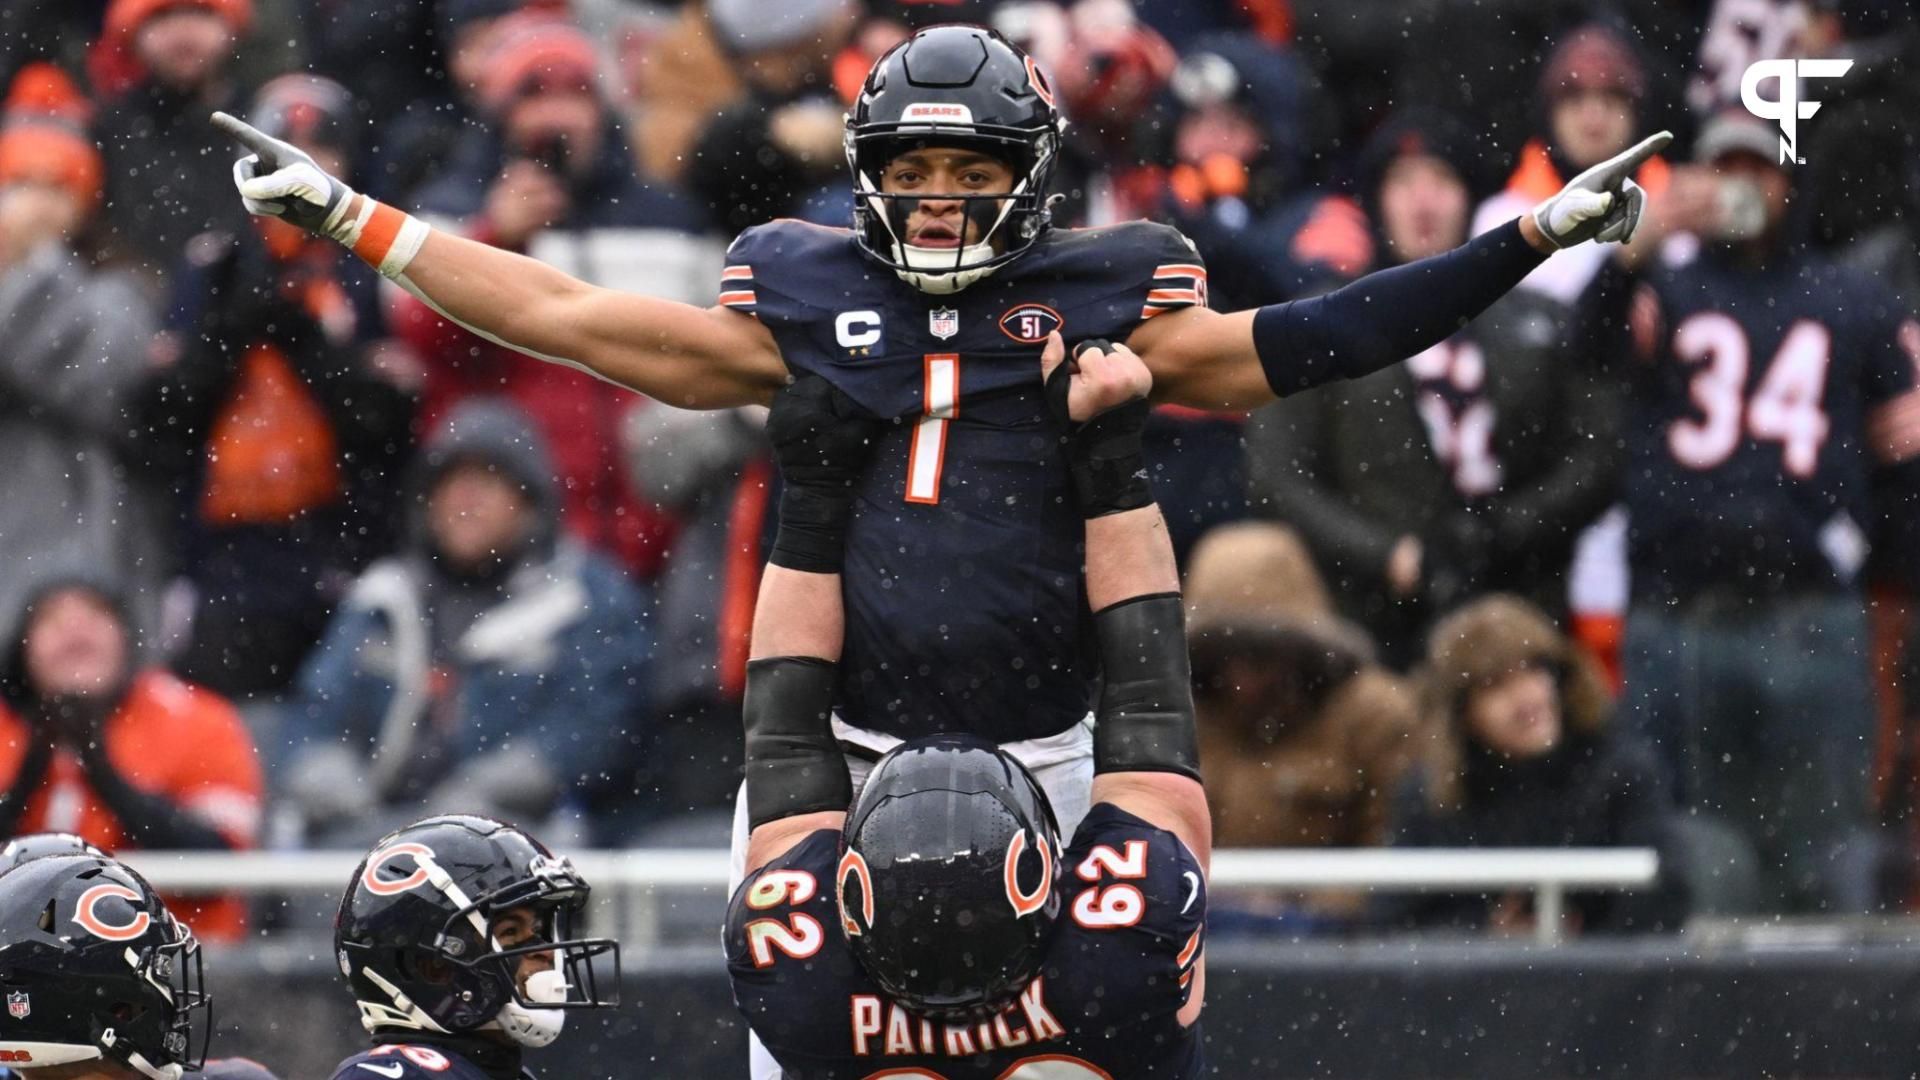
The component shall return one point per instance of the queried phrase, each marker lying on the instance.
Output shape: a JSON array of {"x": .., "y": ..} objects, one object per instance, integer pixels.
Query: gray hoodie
[{"x": 73, "y": 353}]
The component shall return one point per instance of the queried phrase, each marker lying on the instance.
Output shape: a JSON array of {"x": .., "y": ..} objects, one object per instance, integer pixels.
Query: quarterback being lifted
[{"x": 966, "y": 610}]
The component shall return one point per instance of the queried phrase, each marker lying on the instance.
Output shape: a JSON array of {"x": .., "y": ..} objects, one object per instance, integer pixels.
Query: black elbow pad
[
  {"x": 794, "y": 764},
  {"x": 1146, "y": 695}
]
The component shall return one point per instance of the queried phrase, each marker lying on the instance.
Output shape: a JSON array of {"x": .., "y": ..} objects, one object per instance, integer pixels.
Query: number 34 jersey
[
  {"x": 965, "y": 608},
  {"x": 1758, "y": 401},
  {"x": 1118, "y": 970}
]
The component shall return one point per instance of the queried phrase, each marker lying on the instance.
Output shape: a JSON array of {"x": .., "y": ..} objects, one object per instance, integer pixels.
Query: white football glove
[
  {"x": 278, "y": 179},
  {"x": 1602, "y": 203}
]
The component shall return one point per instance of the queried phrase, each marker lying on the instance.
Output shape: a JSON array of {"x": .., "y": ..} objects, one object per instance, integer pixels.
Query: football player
[
  {"x": 456, "y": 938},
  {"x": 937, "y": 929},
  {"x": 101, "y": 981},
  {"x": 963, "y": 588}
]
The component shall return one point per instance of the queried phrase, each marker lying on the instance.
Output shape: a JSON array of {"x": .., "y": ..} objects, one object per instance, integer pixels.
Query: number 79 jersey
[
  {"x": 965, "y": 607},
  {"x": 1759, "y": 399},
  {"x": 1117, "y": 972}
]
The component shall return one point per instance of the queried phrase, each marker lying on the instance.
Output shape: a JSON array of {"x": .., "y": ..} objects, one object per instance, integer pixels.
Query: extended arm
[
  {"x": 797, "y": 780},
  {"x": 1145, "y": 754},
  {"x": 1146, "y": 758},
  {"x": 1248, "y": 358},
  {"x": 705, "y": 358}
]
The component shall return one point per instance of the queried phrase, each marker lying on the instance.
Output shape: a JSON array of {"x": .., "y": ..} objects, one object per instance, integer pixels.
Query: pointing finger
[
  {"x": 1629, "y": 163},
  {"x": 247, "y": 135}
]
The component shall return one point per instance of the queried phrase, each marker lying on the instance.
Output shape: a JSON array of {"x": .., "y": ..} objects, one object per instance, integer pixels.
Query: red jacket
[{"x": 168, "y": 738}]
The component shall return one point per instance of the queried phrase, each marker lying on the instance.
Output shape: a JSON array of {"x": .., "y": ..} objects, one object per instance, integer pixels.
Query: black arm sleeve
[
  {"x": 149, "y": 819},
  {"x": 794, "y": 765},
  {"x": 1146, "y": 692},
  {"x": 1388, "y": 315}
]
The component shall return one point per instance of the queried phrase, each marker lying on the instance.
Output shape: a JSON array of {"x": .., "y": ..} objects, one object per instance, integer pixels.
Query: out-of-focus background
[{"x": 283, "y": 548}]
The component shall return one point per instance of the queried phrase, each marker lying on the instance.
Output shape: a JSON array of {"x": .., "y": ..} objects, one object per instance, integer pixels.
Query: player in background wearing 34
[
  {"x": 1765, "y": 387},
  {"x": 101, "y": 981},
  {"x": 455, "y": 937},
  {"x": 936, "y": 929},
  {"x": 965, "y": 603}
]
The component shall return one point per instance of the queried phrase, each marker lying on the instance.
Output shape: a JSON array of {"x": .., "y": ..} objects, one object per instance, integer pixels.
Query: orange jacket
[{"x": 168, "y": 738}]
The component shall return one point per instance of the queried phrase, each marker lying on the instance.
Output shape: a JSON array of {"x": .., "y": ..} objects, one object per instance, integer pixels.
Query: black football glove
[
  {"x": 821, "y": 440},
  {"x": 1104, "y": 452}
]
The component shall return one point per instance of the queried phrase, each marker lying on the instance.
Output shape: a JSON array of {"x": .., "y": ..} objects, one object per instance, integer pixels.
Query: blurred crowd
[{"x": 288, "y": 557}]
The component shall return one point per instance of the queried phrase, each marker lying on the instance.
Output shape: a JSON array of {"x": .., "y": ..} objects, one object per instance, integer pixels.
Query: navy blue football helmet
[
  {"x": 415, "y": 936},
  {"x": 946, "y": 878},
  {"x": 94, "y": 967},
  {"x": 963, "y": 87}
]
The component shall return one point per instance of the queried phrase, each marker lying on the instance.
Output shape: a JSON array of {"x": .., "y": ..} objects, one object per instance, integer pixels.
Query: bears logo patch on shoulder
[{"x": 1030, "y": 323}]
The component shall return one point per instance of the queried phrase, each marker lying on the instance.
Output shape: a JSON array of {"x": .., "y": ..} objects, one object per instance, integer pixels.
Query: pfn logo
[{"x": 1788, "y": 110}]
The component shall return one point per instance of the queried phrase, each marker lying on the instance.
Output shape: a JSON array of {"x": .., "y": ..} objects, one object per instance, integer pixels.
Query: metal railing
[{"x": 634, "y": 879}]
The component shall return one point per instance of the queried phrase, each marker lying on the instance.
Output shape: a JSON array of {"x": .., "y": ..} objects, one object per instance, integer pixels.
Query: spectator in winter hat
[
  {"x": 490, "y": 662},
  {"x": 1522, "y": 754},
  {"x": 166, "y": 178},
  {"x": 77, "y": 340},
  {"x": 1590, "y": 93},
  {"x": 94, "y": 742}
]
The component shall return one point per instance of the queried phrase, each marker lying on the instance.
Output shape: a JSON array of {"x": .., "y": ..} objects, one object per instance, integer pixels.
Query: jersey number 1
[{"x": 941, "y": 401}]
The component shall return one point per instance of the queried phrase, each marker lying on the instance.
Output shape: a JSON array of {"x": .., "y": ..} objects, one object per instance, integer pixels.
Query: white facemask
[{"x": 536, "y": 1027}]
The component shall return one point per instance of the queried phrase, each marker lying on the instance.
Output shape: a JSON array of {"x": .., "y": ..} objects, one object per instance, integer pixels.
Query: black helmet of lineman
[
  {"x": 42, "y": 844},
  {"x": 946, "y": 880},
  {"x": 414, "y": 934},
  {"x": 94, "y": 967},
  {"x": 953, "y": 86}
]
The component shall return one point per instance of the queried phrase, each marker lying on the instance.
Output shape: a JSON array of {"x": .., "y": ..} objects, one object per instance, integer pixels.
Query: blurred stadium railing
[{"x": 649, "y": 891}]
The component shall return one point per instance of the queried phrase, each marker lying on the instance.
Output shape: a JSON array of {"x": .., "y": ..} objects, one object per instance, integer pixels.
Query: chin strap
[
  {"x": 535, "y": 1026},
  {"x": 403, "y": 1013},
  {"x": 139, "y": 1061}
]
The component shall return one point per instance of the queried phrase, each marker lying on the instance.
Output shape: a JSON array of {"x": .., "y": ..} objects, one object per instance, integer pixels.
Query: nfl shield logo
[
  {"x": 17, "y": 1005},
  {"x": 943, "y": 323}
]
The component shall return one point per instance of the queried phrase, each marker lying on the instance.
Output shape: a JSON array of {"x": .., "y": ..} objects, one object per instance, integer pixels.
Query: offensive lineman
[
  {"x": 455, "y": 937},
  {"x": 966, "y": 606},
  {"x": 101, "y": 981},
  {"x": 936, "y": 930}
]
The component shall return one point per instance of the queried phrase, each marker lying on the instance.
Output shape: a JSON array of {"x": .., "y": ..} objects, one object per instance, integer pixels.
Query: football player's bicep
[
  {"x": 1203, "y": 359},
  {"x": 686, "y": 356}
]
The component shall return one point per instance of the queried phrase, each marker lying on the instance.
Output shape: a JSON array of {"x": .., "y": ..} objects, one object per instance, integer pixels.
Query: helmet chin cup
[
  {"x": 535, "y": 1026},
  {"x": 932, "y": 270}
]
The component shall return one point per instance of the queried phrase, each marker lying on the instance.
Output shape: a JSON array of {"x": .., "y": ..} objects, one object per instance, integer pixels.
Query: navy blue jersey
[
  {"x": 411, "y": 1061},
  {"x": 1118, "y": 971},
  {"x": 1758, "y": 402},
  {"x": 965, "y": 607}
]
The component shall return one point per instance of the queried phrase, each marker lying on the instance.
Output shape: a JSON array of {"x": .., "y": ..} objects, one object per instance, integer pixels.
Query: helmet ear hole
[{"x": 424, "y": 967}]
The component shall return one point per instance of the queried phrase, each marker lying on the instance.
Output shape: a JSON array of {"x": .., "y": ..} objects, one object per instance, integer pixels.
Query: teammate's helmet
[
  {"x": 93, "y": 966},
  {"x": 946, "y": 880},
  {"x": 414, "y": 934},
  {"x": 42, "y": 844},
  {"x": 953, "y": 86}
]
